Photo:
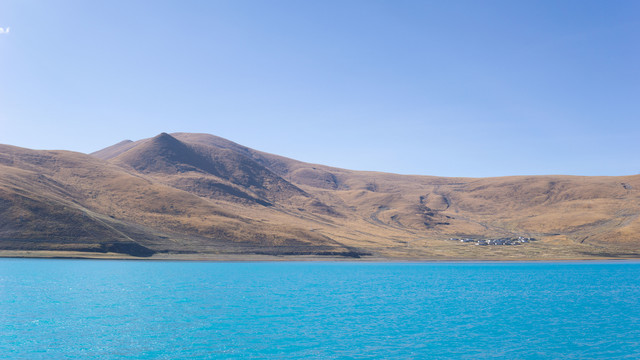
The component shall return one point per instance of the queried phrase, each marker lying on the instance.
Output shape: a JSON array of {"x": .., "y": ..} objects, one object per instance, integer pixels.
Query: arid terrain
[{"x": 198, "y": 196}]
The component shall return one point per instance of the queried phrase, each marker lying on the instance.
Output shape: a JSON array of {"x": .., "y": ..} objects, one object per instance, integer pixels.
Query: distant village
[{"x": 499, "y": 241}]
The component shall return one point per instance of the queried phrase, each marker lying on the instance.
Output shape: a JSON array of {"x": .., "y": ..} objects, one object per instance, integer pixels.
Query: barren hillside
[{"x": 180, "y": 194}]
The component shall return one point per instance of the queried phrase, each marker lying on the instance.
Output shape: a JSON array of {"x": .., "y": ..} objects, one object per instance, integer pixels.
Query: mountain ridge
[{"x": 186, "y": 193}]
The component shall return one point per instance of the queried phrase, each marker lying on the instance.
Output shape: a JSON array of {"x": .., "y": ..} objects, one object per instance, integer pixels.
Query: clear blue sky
[{"x": 449, "y": 88}]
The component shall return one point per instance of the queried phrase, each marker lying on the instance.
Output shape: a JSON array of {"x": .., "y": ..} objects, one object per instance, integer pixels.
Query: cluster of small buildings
[{"x": 499, "y": 241}]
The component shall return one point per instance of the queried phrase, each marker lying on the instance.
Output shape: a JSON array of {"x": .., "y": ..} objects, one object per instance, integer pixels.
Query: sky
[{"x": 445, "y": 88}]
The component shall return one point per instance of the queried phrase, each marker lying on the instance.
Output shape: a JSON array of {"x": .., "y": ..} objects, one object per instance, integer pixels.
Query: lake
[{"x": 75, "y": 309}]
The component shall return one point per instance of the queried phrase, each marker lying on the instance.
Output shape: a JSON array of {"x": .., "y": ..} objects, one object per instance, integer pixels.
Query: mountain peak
[
  {"x": 163, "y": 135},
  {"x": 162, "y": 153},
  {"x": 113, "y": 150},
  {"x": 164, "y": 138}
]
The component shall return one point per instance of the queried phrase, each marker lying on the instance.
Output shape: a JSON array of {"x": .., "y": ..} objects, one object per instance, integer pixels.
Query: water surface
[{"x": 175, "y": 310}]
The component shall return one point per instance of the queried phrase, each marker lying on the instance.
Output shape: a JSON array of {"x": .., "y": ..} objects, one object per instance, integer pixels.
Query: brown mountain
[{"x": 200, "y": 196}]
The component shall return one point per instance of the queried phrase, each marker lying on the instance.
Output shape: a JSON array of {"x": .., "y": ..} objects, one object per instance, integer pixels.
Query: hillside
[{"x": 181, "y": 195}]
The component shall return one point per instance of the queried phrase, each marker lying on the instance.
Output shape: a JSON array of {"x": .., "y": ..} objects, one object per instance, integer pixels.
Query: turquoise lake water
[{"x": 77, "y": 309}]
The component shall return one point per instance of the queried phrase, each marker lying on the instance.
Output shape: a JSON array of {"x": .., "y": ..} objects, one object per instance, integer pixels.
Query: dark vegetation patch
[{"x": 128, "y": 248}]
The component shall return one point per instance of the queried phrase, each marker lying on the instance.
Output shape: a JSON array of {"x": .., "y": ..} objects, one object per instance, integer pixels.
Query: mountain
[{"x": 186, "y": 195}]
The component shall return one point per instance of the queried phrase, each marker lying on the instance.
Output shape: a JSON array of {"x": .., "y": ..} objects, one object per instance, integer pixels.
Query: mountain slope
[
  {"x": 212, "y": 172},
  {"x": 200, "y": 194},
  {"x": 596, "y": 210},
  {"x": 70, "y": 201}
]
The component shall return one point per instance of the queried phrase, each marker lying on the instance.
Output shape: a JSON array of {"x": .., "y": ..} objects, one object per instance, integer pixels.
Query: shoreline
[{"x": 76, "y": 255}]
